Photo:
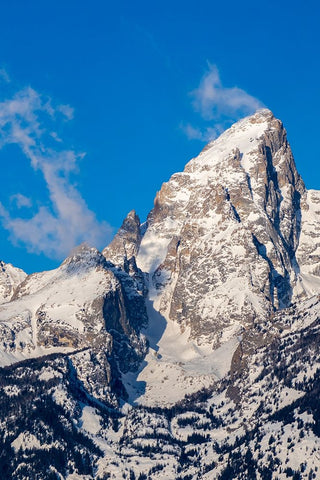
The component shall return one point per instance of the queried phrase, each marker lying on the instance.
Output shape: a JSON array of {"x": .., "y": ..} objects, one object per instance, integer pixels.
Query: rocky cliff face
[{"x": 224, "y": 243}]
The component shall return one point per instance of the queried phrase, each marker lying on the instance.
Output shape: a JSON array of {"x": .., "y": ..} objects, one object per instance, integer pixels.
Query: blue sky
[{"x": 100, "y": 103}]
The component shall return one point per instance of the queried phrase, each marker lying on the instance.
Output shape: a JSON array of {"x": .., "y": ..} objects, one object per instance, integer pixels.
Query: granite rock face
[{"x": 225, "y": 243}]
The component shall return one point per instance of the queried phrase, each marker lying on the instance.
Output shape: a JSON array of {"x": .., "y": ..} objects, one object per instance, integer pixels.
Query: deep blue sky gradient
[{"x": 128, "y": 69}]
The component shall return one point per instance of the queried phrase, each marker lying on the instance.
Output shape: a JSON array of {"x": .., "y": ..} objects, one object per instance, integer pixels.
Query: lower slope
[{"x": 261, "y": 421}]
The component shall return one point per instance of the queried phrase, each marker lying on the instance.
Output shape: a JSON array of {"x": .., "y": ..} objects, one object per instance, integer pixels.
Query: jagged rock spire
[{"x": 126, "y": 242}]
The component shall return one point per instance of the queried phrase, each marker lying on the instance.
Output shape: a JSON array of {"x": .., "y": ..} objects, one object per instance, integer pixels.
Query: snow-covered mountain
[
  {"x": 234, "y": 233},
  {"x": 230, "y": 240},
  {"x": 85, "y": 307},
  {"x": 187, "y": 349}
]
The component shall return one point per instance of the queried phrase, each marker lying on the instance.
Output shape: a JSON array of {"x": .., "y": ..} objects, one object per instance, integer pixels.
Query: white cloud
[
  {"x": 66, "y": 110},
  {"x": 21, "y": 200},
  {"x": 193, "y": 133},
  {"x": 218, "y": 104},
  {"x": 206, "y": 135},
  {"x": 213, "y": 100},
  {"x": 25, "y": 121}
]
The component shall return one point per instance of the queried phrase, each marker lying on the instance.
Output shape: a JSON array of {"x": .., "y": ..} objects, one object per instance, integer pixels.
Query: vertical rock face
[
  {"x": 121, "y": 258},
  {"x": 223, "y": 238}
]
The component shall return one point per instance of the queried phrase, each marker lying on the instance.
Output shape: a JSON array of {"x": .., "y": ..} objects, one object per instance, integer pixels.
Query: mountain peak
[
  {"x": 244, "y": 135},
  {"x": 262, "y": 113},
  {"x": 82, "y": 257},
  {"x": 232, "y": 214}
]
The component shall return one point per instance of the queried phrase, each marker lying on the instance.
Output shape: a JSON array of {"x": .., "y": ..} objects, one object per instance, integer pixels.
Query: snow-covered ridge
[
  {"x": 69, "y": 308},
  {"x": 49, "y": 311},
  {"x": 242, "y": 135}
]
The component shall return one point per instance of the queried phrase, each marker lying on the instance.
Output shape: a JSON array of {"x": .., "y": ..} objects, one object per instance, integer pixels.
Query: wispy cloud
[
  {"x": 205, "y": 135},
  {"x": 66, "y": 110},
  {"x": 26, "y": 120},
  {"x": 213, "y": 100},
  {"x": 218, "y": 105},
  {"x": 4, "y": 76},
  {"x": 21, "y": 200}
]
